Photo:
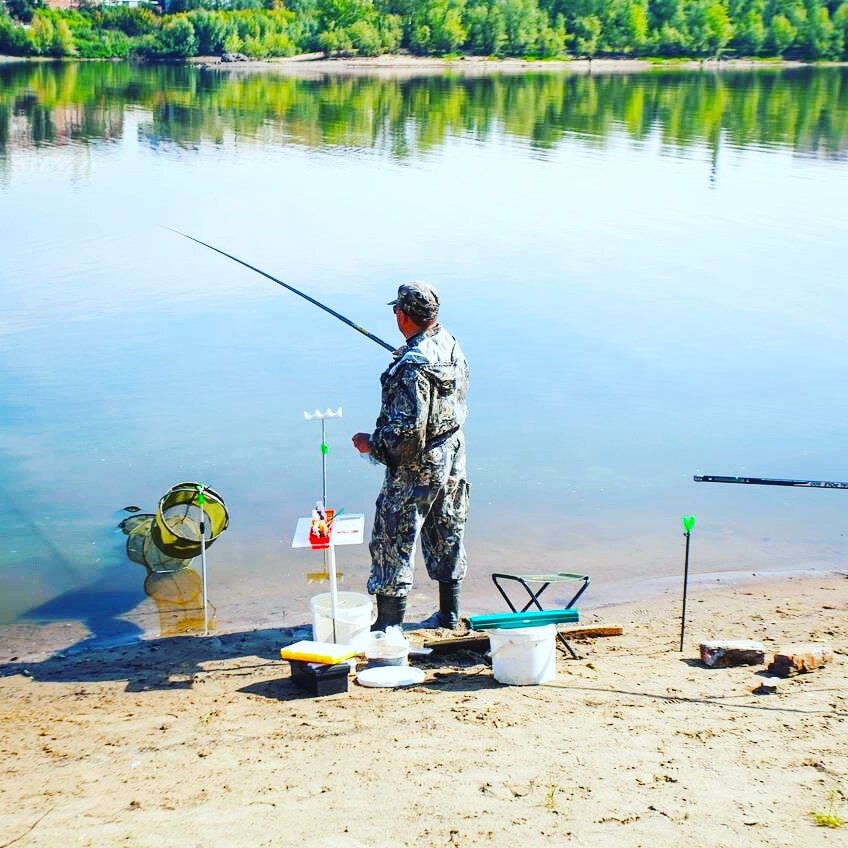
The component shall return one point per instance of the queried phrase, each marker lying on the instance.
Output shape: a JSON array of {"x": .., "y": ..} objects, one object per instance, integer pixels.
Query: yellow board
[{"x": 319, "y": 652}]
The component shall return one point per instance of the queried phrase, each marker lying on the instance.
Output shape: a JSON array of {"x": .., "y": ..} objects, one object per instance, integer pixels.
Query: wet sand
[{"x": 205, "y": 741}]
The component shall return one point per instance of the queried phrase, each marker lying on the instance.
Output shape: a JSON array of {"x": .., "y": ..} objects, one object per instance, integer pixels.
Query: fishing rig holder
[
  {"x": 322, "y": 417},
  {"x": 325, "y": 449}
]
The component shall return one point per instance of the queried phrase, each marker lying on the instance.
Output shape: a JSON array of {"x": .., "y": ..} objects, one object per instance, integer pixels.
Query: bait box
[
  {"x": 322, "y": 540},
  {"x": 317, "y": 542},
  {"x": 319, "y": 678},
  {"x": 323, "y": 653}
]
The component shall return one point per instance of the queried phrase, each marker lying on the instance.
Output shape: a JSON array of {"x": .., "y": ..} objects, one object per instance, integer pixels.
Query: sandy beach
[
  {"x": 196, "y": 741},
  {"x": 407, "y": 65}
]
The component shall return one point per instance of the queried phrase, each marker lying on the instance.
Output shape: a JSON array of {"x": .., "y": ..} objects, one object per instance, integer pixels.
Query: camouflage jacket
[{"x": 423, "y": 399}]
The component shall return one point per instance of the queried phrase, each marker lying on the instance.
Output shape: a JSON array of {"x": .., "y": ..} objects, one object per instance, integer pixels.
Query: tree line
[{"x": 803, "y": 29}]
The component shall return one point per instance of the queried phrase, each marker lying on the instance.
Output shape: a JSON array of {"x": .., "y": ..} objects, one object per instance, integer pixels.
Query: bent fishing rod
[
  {"x": 771, "y": 481},
  {"x": 292, "y": 289}
]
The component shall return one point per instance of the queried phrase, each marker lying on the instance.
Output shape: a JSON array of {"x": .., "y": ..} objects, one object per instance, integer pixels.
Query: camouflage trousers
[{"x": 426, "y": 499}]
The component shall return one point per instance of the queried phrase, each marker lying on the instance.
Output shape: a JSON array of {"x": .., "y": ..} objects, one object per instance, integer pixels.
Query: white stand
[
  {"x": 344, "y": 530},
  {"x": 203, "y": 574},
  {"x": 322, "y": 416},
  {"x": 202, "y": 525}
]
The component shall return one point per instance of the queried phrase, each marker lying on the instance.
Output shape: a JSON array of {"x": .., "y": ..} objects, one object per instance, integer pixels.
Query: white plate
[{"x": 390, "y": 676}]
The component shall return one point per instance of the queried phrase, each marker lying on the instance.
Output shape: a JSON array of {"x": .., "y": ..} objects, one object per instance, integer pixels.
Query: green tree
[
  {"x": 336, "y": 41},
  {"x": 749, "y": 25},
  {"x": 840, "y": 21},
  {"x": 553, "y": 39},
  {"x": 351, "y": 27},
  {"x": 587, "y": 36},
  {"x": 796, "y": 13},
  {"x": 662, "y": 12},
  {"x": 366, "y": 38},
  {"x": 211, "y": 31},
  {"x": 177, "y": 38},
  {"x": 750, "y": 33},
  {"x": 781, "y": 34},
  {"x": 525, "y": 23},
  {"x": 668, "y": 30},
  {"x": 626, "y": 26},
  {"x": 338, "y": 14},
  {"x": 232, "y": 41},
  {"x": 823, "y": 39},
  {"x": 131, "y": 20},
  {"x": 436, "y": 26},
  {"x": 391, "y": 33},
  {"x": 13, "y": 37},
  {"x": 710, "y": 29},
  {"x": 62, "y": 43},
  {"x": 486, "y": 29},
  {"x": 40, "y": 33}
]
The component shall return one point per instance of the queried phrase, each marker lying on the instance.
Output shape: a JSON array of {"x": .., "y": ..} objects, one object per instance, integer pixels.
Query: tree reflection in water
[{"x": 805, "y": 110}]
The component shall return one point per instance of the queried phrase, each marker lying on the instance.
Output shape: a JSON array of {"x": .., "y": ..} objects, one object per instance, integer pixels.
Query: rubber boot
[
  {"x": 449, "y": 591},
  {"x": 390, "y": 612}
]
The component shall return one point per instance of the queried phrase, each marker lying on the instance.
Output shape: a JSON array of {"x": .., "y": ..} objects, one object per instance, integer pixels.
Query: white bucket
[
  {"x": 353, "y": 618},
  {"x": 524, "y": 655}
]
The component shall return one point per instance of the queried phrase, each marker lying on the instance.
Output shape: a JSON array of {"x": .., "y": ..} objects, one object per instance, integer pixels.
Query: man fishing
[{"x": 418, "y": 437}]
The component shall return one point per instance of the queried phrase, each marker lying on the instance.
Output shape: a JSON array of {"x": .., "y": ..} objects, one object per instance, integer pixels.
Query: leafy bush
[
  {"x": 132, "y": 21},
  {"x": 13, "y": 37},
  {"x": 211, "y": 30},
  {"x": 103, "y": 45},
  {"x": 177, "y": 38},
  {"x": 40, "y": 33},
  {"x": 782, "y": 34}
]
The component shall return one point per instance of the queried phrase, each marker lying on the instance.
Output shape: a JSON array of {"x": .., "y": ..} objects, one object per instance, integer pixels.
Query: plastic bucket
[
  {"x": 523, "y": 656},
  {"x": 353, "y": 618},
  {"x": 379, "y": 651}
]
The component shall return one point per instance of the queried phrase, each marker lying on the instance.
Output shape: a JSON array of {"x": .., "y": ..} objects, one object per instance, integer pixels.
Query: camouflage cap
[{"x": 418, "y": 300}]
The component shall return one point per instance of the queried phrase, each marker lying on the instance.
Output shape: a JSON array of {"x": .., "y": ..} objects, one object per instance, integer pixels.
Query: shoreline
[
  {"x": 315, "y": 66},
  {"x": 407, "y": 65},
  {"x": 34, "y": 641},
  {"x": 634, "y": 743}
]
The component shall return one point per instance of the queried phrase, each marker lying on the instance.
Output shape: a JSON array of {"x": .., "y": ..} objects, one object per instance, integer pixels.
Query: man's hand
[{"x": 362, "y": 442}]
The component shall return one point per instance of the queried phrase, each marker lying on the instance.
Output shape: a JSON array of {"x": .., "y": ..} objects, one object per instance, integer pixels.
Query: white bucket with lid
[
  {"x": 353, "y": 618},
  {"x": 524, "y": 656}
]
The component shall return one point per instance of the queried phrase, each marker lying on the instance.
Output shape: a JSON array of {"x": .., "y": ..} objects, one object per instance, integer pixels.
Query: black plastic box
[{"x": 319, "y": 678}]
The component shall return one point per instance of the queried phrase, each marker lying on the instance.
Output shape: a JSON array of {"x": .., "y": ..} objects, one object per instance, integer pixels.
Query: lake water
[{"x": 647, "y": 273}]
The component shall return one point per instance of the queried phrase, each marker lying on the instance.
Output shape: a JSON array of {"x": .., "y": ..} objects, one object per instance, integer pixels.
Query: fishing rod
[
  {"x": 292, "y": 289},
  {"x": 770, "y": 481}
]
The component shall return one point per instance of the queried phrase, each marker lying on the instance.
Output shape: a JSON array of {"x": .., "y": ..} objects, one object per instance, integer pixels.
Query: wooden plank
[
  {"x": 591, "y": 632},
  {"x": 458, "y": 643}
]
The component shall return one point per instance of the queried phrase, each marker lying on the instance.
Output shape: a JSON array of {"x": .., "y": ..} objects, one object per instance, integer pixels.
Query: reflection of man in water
[{"x": 418, "y": 438}]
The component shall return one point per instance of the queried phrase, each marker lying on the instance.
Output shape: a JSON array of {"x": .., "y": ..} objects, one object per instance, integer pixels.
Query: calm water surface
[{"x": 647, "y": 273}]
